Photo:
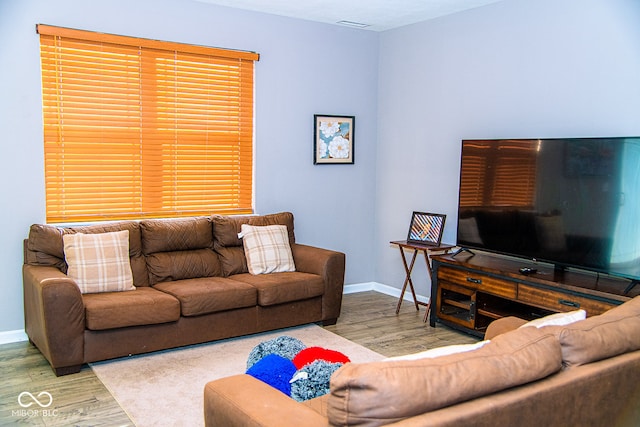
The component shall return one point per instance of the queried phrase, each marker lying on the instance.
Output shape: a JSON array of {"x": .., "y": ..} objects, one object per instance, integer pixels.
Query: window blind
[
  {"x": 510, "y": 181},
  {"x": 137, "y": 128}
]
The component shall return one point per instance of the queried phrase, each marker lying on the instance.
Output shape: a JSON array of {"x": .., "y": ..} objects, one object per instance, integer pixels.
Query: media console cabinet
[{"x": 472, "y": 290}]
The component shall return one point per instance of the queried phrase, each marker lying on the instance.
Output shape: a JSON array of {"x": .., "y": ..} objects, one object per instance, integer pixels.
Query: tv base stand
[
  {"x": 462, "y": 250},
  {"x": 631, "y": 286},
  {"x": 470, "y": 292}
]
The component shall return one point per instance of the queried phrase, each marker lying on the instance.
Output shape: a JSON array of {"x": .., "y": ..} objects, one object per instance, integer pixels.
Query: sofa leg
[
  {"x": 67, "y": 370},
  {"x": 329, "y": 322}
]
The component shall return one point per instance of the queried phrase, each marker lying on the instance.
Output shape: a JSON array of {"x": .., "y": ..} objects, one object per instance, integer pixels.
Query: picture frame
[
  {"x": 426, "y": 228},
  {"x": 333, "y": 139}
]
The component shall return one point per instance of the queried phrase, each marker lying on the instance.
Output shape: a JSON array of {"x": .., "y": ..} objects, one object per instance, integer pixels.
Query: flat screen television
[{"x": 571, "y": 202}]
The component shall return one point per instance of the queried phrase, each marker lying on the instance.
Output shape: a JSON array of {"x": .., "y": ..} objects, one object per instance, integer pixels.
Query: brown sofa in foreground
[
  {"x": 582, "y": 374},
  {"x": 191, "y": 286}
]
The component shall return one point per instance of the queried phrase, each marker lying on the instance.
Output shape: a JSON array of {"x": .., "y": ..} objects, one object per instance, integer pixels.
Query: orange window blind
[{"x": 138, "y": 128}]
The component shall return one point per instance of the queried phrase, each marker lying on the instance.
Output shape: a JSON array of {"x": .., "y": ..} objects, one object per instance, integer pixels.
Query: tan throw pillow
[
  {"x": 267, "y": 248},
  {"x": 99, "y": 262}
]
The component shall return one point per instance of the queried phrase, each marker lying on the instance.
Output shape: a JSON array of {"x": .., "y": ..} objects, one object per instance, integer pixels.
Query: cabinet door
[
  {"x": 561, "y": 301},
  {"x": 456, "y": 304}
]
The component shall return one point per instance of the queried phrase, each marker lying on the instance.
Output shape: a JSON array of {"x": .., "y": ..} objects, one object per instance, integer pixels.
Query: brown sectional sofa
[
  {"x": 191, "y": 286},
  {"x": 582, "y": 374}
]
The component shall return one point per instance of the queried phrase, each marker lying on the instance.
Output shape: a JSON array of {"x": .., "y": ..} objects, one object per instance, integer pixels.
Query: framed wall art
[
  {"x": 426, "y": 228},
  {"x": 333, "y": 139}
]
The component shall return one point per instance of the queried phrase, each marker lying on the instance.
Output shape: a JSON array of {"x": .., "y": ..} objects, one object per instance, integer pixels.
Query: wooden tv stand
[{"x": 472, "y": 290}]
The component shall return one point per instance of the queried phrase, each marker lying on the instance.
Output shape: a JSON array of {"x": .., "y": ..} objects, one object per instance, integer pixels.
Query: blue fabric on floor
[{"x": 274, "y": 370}]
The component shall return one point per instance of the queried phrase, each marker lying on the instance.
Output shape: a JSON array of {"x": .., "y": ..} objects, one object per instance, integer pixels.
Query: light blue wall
[
  {"x": 305, "y": 68},
  {"x": 517, "y": 68}
]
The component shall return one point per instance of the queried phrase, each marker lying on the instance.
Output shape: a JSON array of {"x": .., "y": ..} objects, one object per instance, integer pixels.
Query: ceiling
[{"x": 374, "y": 15}]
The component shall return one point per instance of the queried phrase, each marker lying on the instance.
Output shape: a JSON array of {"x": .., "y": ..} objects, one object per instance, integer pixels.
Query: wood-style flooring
[
  {"x": 370, "y": 319},
  {"x": 367, "y": 318}
]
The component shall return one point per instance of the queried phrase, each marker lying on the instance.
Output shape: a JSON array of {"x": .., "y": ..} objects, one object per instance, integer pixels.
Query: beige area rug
[{"x": 166, "y": 388}]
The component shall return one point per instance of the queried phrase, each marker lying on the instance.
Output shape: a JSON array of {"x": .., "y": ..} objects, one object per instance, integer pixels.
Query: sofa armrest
[
  {"x": 54, "y": 316},
  {"x": 502, "y": 325},
  {"x": 328, "y": 264},
  {"x": 242, "y": 400}
]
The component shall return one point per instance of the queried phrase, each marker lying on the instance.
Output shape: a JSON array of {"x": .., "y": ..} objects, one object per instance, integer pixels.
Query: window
[{"x": 137, "y": 128}]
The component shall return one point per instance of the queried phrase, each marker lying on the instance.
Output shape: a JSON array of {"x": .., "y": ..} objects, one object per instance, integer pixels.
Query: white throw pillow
[
  {"x": 99, "y": 262},
  {"x": 267, "y": 248},
  {"x": 557, "y": 319},
  {"x": 440, "y": 351}
]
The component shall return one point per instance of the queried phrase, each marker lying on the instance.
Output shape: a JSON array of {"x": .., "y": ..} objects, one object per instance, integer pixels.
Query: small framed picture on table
[{"x": 426, "y": 228}]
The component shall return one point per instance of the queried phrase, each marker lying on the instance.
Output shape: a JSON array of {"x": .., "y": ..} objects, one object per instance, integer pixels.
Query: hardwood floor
[
  {"x": 367, "y": 318},
  {"x": 370, "y": 319},
  {"x": 78, "y": 400}
]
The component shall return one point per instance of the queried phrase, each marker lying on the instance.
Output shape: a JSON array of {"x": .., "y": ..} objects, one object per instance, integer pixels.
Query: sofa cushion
[
  {"x": 143, "y": 306},
  {"x": 168, "y": 266},
  {"x": 232, "y": 260},
  {"x": 167, "y": 235},
  {"x": 267, "y": 249},
  {"x": 99, "y": 262},
  {"x": 278, "y": 288},
  {"x": 378, "y": 393},
  {"x": 229, "y": 246},
  {"x": 614, "y": 332},
  {"x": 209, "y": 295},
  {"x": 45, "y": 246},
  {"x": 179, "y": 249},
  {"x": 226, "y": 228}
]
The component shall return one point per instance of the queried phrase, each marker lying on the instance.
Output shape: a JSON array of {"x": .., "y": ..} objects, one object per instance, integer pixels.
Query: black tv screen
[{"x": 570, "y": 202}]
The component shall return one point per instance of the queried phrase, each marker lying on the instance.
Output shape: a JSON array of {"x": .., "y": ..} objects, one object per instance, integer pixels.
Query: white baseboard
[
  {"x": 13, "y": 336},
  {"x": 383, "y": 289},
  {"x": 358, "y": 287},
  {"x": 9, "y": 337}
]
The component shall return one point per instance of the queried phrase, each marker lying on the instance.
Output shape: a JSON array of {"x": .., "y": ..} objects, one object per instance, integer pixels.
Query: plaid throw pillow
[
  {"x": 267, "y": 248},
  {"x": 99, "y": 262}
]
